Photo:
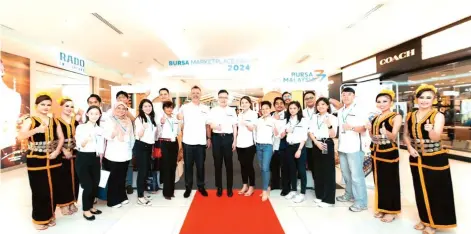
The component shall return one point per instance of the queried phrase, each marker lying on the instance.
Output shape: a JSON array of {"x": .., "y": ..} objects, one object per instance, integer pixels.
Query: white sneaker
[
  {"x": 299, "y": 198},
  {"x": 117, "y": 206},
  {"x": 125, "y": 202},
  {"x": 317, "y": 200},
  {"x": 148, "y": 197},
  {"x": 324, "y": 205},
  {"x": 290, "y": 195}
]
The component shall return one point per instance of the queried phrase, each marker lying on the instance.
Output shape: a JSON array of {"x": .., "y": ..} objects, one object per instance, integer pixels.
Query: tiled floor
[{"x": 168, "y": 216}]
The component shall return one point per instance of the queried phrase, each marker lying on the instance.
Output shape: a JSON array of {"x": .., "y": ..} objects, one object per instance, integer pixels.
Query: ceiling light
[
  {"x": 443, "y": 74},
  {"x": 125, "y": 54}
]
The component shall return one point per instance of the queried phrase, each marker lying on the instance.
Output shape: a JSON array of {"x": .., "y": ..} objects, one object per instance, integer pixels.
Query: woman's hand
[
  {"x": 413, "y": 152},
  {"x": 297, "y": 154},
  {"x": 53, "y": 155}
]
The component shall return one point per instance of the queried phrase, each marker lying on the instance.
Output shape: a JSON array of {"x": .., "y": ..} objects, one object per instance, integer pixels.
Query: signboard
[
  {"x": 401, "y": 58},
  {"x": 229, "y": 64},
  {"x": 71, "y": 63}
]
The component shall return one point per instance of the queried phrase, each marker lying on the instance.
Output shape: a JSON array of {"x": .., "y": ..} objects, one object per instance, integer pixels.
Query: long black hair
[
  {"x": 91, "y": 108},
  {"x": 143, "y": 115},
  {"x": 299, "y": 115},
  {"x": 248, "y": 99},
  {"x": 326, "y": 101}
]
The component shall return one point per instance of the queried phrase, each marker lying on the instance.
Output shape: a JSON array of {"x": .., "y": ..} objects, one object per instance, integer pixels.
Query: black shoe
[
  {"x": 129, "y": 189},
  {"x": 203, "y": 192},
  {"x": 91, "y": 218},
  {"x": 168, "y": 198},
  {"x": 96, "y": 212},
  {"x": 229, "y": 193},
  {"x": 219, "y": 192},
  {"x": 284, "y": 193},
  {"x": 187, "y": 193}
]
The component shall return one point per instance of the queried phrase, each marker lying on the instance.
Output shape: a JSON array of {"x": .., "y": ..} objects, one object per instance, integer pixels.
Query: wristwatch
[{"x": 330, "y": 127}]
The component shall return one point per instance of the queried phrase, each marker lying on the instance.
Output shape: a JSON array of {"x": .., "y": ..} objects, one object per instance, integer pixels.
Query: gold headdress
[
  {"x": 63, "y": 98},
  {"x": 388, "y": 92},
  {"x": 426, "y": 86},
  {"x": 44, "y": 93}
]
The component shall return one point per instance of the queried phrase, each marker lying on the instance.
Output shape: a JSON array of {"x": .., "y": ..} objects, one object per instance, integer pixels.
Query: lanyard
[
  {"x": 117, "y": 121},
  {"x": 170, "y": 123},
  {"x": 321, "y": 122},
  {"x": 310, "y": 115},
  {"x": 344, "y": 117}
]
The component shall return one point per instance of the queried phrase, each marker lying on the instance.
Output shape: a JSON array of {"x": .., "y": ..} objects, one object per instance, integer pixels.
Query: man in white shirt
[
  {"x": 351, "y": 126},
  {"x": 308, "y": 113},
  {"x": 223, "y": 122},
  {"x": 279, "y": 147},
  {"x": 196, "y": 136}
]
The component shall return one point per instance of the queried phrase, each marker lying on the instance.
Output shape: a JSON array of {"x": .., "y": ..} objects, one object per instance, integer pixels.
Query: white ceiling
[{"x": 274, "y": 35}]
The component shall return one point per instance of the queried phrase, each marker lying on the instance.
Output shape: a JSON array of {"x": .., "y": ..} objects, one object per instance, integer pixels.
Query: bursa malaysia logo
[{"x": 303, "y": 77}]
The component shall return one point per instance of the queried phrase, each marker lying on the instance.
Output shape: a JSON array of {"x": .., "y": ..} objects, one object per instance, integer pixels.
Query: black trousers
[
  {"x": 246, "y": 156},
  {"x": 143, "y": 154},
  {"x": 324, "y": 169},
  {"x": 87, "y": 166},
  {"x": 194, "y": 154},
  {"x": 116, "y": 182},
  {"x": 276, "y": 169},
  {"x": 169, "y": 166},
  {"x": 311, "y": 161},
  {"x": 222, "y": 153}
]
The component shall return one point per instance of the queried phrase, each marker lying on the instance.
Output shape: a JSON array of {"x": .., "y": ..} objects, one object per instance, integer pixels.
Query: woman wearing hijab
[{"x": 120, "y": 141}]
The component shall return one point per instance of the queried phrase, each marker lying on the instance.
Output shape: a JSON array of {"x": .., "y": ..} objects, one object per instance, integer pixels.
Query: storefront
[{"x": 441, "y": 58}]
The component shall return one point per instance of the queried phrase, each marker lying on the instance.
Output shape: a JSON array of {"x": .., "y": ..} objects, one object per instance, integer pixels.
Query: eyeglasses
[{"x": 286, "y": 97}]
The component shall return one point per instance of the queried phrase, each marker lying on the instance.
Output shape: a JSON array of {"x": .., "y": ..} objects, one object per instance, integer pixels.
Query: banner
[{"x": 15, "y": 89}]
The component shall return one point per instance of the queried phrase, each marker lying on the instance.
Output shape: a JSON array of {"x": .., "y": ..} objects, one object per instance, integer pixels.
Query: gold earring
[{"x": 435, "y": 102}]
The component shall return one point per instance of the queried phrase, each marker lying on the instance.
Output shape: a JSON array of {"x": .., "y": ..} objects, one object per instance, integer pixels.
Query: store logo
[
  {"x": 72, "y": 63},
  {"x": 392, "y": 59}
]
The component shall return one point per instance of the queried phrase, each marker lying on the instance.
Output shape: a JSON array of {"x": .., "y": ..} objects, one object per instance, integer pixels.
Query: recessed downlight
[{"x": 125, "y": 54}]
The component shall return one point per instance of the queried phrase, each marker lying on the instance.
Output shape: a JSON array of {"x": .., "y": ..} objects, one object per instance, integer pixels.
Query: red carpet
[{"x": 224, "y": 215}]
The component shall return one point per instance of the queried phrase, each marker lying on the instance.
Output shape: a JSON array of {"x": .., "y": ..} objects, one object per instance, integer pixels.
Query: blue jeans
[
  {"x": 264, "y": 154},
  {"x": 351, "y": 165},
  {"x": 129, "y": 174}
]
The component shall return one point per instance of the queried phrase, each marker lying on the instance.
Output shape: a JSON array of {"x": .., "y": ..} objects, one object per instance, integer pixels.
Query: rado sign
[
  {"x": 392, "y": 59},
  {"x": 401, "y": 58}
]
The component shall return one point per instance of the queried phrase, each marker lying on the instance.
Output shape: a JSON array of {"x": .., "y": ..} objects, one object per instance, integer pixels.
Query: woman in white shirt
[
  {"x": 145, "y": 139},
  {"x": 170, "y": 146},
  {"x": 294, "y": 160},
  {"x": 246, "y": 146},
  {"x": 323, "y": 128},
  {"x": 90, "y": 142},
  {"x": 265, "y": 132},
  {"x": 120, "y": 141}
]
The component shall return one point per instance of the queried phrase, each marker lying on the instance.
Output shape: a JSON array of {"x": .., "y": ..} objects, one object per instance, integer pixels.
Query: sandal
[
  {"x": 391, "y": 218},
  {"x": 65, "y": 211},
  {"x": 420, "y": 226},
  {"x": 40, "y": 227},
  {"x": 52, "y": 223},
  {"x": 379, "y": 215},
  {"x": 243, "y": 190},
  {"x": 249, "y": 193},
  {"x": 428, "y": 230},
  {"x": 73, "y": 208}
]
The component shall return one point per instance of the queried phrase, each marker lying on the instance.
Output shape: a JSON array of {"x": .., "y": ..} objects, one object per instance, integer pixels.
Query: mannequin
[{"x": 8, "y": 119}]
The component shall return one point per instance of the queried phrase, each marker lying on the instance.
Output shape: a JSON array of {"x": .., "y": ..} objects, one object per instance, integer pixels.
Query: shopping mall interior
[{"x": 257, "y": 51}]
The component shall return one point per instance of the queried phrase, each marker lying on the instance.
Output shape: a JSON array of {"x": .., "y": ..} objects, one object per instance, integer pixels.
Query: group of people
[{"x": 67, "y": 151}]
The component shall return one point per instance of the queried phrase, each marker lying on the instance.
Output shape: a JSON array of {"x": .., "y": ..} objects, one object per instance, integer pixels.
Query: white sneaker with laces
[
  {"x": 290, "y": 195},
  {"x": 324, "y": 205},
  {"x": 125, "y": 202},
  {"x": 299, "y": 198},
  {"x": 317, "y": 200},
  {"x": 117, "y": 206}
]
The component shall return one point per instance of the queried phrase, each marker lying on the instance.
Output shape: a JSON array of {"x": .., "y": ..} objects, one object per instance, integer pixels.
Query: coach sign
[{"x": 401, "y": 58}]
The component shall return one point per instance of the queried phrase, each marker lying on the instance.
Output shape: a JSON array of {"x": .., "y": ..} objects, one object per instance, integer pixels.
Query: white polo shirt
[
  {"x": 194, "y": 123},
  {"x": 226, "y": 117},
  {"x": 149, "y": 132},
  {"x": 245, "y": 138},
  {"x": 349, "y": 141},
  {"x": 264, "y": 132},
  {"x": 319, "y": 129},
  {"x": 170, "y": 128},
  {"x": 299, "y": 132},
  {"x": 280, "y": 124},
  {"x": 308, "y": 114}
]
